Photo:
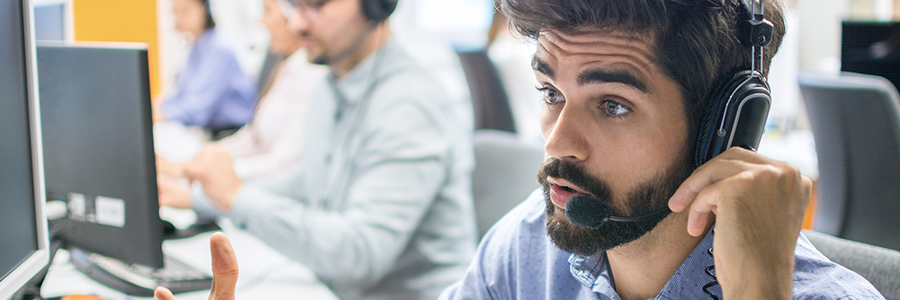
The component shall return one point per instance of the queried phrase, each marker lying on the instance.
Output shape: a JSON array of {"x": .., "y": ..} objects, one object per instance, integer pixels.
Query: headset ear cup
[
  {"x": 727, "y": 107},
  {"x": 706, "y": 132},
  {"x": 378, "y": 10}
]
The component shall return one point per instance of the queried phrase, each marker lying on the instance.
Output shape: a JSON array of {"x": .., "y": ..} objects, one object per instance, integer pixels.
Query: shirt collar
[
  {"x": 205, "y": 37},
  {"x": 356, "y": 84},
  {"x": 686, "y": 283}
]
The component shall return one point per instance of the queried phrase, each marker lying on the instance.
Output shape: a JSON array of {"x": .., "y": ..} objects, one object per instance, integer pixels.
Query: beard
[
  {"x": 321, "y": 60},
  {"x": 647, "y": 197}
]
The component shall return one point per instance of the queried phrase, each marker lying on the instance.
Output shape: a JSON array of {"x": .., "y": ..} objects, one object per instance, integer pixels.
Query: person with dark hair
[
  {"x": 212, "y": 91},
  {"x": 631, "y": 206}
]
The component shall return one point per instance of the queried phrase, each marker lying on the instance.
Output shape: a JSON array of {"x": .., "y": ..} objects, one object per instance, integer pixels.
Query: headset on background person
[
  {"x": 374, "y": 10},
  {"x": 378, "y": 10}
]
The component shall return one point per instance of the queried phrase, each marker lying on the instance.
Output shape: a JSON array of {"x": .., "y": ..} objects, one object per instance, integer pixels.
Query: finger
[
  {"x": 738, "y": 153},
  {"x": 706, "y": 203},
  {"x": 162, "y": 293},
  {"x": 224, "y": 267},
  {"x": 735, "y": 158},
  {"x": 193, "y": 170},
  {"x": 214, "y": 147},
  {"x": 706, "y": 175},
  {"x": 162, "y": 187}
]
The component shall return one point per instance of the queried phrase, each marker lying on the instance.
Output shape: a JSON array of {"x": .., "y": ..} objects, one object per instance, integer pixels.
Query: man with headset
[
  {"x": 380, "y": 206},
  {"x": 649, "y": 190},
  {"x": 643, "y": 196}
]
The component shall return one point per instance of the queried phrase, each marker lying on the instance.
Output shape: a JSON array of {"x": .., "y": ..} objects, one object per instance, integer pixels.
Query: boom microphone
[{"x": 589, "y": 212}]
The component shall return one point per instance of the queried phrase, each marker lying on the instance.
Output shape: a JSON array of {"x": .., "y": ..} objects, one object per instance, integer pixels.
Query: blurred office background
[{"x": 434, "y": 30}]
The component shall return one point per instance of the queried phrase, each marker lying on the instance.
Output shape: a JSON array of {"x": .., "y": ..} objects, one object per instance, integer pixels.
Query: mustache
[{"x": 575, "y": 174}]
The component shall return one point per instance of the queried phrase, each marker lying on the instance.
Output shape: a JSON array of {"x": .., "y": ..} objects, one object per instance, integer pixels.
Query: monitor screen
[
  {"x": 871, "y": 47},
  {"x": 50, "y": 21},
  {"x": 98, "y": 149},
  {"x": 23, "y": 240}
]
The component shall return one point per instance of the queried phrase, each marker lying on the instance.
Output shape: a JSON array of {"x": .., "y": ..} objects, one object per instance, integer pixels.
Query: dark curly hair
[{"x": 696, "y": 42}]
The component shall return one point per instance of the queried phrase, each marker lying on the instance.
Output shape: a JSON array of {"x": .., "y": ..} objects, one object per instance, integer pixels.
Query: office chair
[
  {"x": 505, "y": 174},
  {"x": 489, "y": 99},
  {"x": 855, "y": 121},
  {"x": 880, "y": 266}
]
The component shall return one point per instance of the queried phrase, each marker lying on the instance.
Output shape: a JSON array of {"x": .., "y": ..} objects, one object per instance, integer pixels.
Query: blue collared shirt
[
  {"x": 517, "y": 260},
  {"x": 212, "y": 90}
]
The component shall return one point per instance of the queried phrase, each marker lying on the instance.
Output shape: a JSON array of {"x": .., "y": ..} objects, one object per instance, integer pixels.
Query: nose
[
  {"x": 298, "y": 22},
  {"x": 568, "y": 138}
]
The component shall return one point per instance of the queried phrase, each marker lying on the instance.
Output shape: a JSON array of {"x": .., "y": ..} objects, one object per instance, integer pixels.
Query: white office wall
[
  {"x": 786, "y": 99},
  {"x": 820, "y": 34}
]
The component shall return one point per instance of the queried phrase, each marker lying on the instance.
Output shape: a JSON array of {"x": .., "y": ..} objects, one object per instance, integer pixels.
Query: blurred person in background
[
  {"x": 271, "y": 142},
  {"x": 212, "y": 91},
  {"x": 380, "y": 206}
]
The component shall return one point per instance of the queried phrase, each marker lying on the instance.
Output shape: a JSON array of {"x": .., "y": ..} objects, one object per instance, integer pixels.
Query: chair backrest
[
  {"x": 880, "y": 266},
  {"x": 489, "y": 99},
  {"x": 505, "y": 174},
  {"x": 855, "y": 121}
]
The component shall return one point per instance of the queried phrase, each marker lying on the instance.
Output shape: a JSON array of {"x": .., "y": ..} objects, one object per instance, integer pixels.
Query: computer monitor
[
  {"x": 99, "y": 159},
  {"x": 871, "y": 47},
  {"x": 24, "y": 246}
]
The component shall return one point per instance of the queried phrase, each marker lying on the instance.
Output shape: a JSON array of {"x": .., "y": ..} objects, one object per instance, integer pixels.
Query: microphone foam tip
[{"x": 587, "y": 211}]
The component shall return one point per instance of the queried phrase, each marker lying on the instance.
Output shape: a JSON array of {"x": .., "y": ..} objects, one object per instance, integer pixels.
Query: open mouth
[{"x": 561, "y": 191}]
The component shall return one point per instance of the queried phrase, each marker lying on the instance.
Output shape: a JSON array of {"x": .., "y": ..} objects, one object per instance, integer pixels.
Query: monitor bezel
[{"x": 40, "y": 258}]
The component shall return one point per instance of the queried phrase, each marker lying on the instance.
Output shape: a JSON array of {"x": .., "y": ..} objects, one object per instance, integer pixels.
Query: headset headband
[{"x": 757, "y": 31}]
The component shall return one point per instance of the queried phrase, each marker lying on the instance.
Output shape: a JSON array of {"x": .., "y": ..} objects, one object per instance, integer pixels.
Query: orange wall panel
[{"x": 120, "y": 21}]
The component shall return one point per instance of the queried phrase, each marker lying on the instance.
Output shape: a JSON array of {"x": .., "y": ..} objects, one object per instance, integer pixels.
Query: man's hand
[
  {"x": 174, "y": 192},
  {"x": 168, "y": 168},
  {"x": 759, "y": 205},
  {"x": 213, "y": 168},
  {"x": 224, "y": 267}
]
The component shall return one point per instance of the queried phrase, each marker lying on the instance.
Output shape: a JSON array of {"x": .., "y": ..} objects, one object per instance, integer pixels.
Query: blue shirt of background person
[{"x": 212, "y": 91}]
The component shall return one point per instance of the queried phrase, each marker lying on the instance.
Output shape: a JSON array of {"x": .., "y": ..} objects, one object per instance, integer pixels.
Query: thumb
[
  {"x": 224, "y": 267},
  {"x": 162, "y": 293}
]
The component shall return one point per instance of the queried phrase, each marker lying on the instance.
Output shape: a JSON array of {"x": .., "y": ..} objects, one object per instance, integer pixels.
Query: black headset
[
  {"x": 378, "y": 10},
  {"x": 740, "y": 103}
]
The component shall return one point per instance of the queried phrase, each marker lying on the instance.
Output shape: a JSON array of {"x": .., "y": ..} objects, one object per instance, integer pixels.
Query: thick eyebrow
[
  {"x": 594, "y": 76},
  {"x": 540, "y": 65},
  {"x": 611, "y": 76}
]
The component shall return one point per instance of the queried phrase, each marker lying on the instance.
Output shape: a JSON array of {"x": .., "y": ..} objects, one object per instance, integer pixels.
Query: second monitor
[{"x": 99, "y": 158}]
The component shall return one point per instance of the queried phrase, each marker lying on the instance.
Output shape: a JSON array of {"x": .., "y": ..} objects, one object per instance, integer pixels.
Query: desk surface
[{"x": 264, "y": 273}]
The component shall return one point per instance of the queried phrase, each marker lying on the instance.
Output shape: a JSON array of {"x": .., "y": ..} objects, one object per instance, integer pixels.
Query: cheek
[
  {"x": 648, "y": 153},
  {"x": 547, "y": 119},
  {"x": 198, "y": 17}
]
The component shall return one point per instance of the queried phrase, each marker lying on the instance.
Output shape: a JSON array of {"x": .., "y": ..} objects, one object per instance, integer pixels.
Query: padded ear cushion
[
  {"x": 711, "y": 142},
  {"x": 708, "y": 126},
  {"x": 378, "y": 10}
]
